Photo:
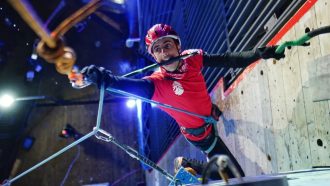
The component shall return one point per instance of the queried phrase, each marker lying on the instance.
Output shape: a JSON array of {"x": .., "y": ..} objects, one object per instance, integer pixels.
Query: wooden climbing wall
[{"x": 93, "y": 161}]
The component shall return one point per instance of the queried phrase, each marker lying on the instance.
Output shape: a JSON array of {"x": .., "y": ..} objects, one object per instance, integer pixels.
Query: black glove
[
  {"x": 96, "y": 75},
  {"x": 269, "y": 52}
]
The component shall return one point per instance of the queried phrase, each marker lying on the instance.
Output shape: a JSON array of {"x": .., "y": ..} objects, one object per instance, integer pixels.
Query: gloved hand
[
  {"x": 269, "y": 52},
  {"x": 96, "y": 75}
]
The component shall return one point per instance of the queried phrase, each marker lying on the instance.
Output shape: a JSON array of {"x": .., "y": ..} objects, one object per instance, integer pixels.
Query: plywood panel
[
  {"x": 230, "y": 125},
  {"x": 323, "y": 19},
  {"x": 227, "y": 125},
  {"x": 96, "y": 162},
  {"x": 279, "y": 119},
  {"x": 295, "y": 111},
  {"x": 253, "y": 134},
  {"x": 322, "y": 111},
  {"x": 307, "y": 57},
  {"x": 270, "y": 159}
]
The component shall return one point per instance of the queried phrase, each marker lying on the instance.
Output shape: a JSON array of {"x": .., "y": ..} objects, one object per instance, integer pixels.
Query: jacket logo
[{"x": 177, "y": 88}]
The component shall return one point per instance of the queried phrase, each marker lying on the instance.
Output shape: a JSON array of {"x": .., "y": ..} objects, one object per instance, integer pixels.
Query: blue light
[
  {"x": 125, "y": 67},
  {"x": 29, "y": 75},
  {"x": 34, "y": 56},
  {"x": 28, "y": 142},
  {"x": 38, "y": 68},
  {"x": 130, "y": 103}
]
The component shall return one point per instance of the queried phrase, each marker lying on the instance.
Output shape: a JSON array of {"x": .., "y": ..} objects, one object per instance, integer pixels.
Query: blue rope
[{"x": 207, "y": 119}]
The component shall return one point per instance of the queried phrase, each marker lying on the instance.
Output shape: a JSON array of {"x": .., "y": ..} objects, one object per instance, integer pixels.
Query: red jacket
[{"x": 185, "y": 89}]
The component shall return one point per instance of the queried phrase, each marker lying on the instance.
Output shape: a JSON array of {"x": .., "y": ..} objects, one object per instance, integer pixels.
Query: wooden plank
[
  {"x": 233, "y": 126},
  {"x": 322, "y": 116},
  {"x": 243, "y": 130},
  {"x": 323, "y": 19},
  {"x": 97, "y": 160},
  {"x": 230, "y": 126},
  {"x": 279, "y": 126},
  {"x": 258, "y": 135},
  {"x": 320, "y": 140},
  {"x": 299, "y": 144},
  {"x": 307, "y": 56},
  {"x": 253, "y": 134},
  {"x": 226, "y": 125},
  {"x": 270, "y": 152}
]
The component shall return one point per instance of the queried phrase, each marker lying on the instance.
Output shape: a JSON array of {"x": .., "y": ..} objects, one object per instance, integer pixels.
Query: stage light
[
  {"x": 118, "y": 1},
  {"x": 38, "y": 68},
  {"x": 29, "y": 76},
  {"x": 33, "y": 62},
  {"x": 130, "y": 103},
  {"x": 124, "y": 67},
  {"x": 28, "y": 143},
  {"x": 69, "y": 132},
  {"x": 130, "y": 42},
  {"x": 34, "y": 56},
  {"x": 6, "y": 101}
]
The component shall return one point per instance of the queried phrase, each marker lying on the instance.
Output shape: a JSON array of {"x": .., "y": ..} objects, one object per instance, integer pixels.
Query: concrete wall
[{"x": 273, "y": 120}]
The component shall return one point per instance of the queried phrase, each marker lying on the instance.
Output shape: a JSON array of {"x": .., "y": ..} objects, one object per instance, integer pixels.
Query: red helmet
[{"x": 157, "y": 32}]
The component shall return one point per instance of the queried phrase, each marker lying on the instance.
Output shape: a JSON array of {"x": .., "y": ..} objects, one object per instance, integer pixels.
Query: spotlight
[
  {"x": 29, "y": 75},
  {"x": 130, "y": 103},
  {"x": 34, "y": 56},
  {"x": 38, "y": 68},
  {"x": 28, "y": 142},
  {"x": 6, "y": 101},
  {"x": 130, "y": 42},
  {"x": 33, "y": 60},
  {"x": 69, "y": 132}
]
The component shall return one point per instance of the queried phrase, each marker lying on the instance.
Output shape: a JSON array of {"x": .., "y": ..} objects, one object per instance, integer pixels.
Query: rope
[
  {"x": 76, "y": 17},
  {"x": 26, "y": 12},
  {"x": 207, "y": 119},
  {"x": 52, "y": 47},
  {"x": 302, "y": 40},
  {"x": 133, "y": 153}
]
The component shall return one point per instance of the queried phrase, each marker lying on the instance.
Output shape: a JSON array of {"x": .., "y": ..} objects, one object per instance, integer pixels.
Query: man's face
[{"x": 165, "y": 49}]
